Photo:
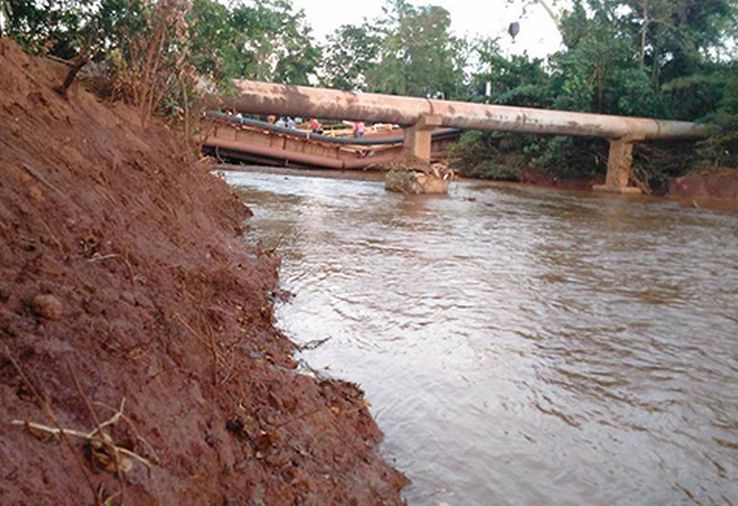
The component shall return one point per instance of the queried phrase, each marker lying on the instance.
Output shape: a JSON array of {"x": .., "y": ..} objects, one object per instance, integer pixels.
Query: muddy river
[{"x": 520, "y": 346}]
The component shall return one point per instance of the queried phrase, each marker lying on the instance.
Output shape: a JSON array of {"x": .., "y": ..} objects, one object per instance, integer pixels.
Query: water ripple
[{"x": 521, "y": 346}]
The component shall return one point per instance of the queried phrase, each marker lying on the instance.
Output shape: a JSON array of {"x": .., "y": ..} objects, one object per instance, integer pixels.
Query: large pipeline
[{"x": 256, "y": 97}]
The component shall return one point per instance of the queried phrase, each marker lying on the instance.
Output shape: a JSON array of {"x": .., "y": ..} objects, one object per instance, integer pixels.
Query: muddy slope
[{"x": 124, "y": 277}]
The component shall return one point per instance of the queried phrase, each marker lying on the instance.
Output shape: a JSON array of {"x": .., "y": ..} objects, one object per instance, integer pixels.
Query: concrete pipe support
[{"x": 424, "y": 114}]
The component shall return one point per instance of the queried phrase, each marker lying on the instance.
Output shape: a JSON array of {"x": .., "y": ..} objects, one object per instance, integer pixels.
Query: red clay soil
[
  {"x": 718, "y": 186},
  {"x": 124, "y": 276}
]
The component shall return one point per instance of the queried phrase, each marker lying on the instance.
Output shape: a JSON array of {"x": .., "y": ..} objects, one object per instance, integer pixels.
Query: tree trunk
[
  {"x": 80, "y": 61},
  {"x": 644, "y": 33}
]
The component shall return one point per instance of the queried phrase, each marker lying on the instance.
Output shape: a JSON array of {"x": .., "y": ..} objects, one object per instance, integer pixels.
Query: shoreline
[
  {"x": 719, "y": 205},
  {"x": 128, "y": 286}
]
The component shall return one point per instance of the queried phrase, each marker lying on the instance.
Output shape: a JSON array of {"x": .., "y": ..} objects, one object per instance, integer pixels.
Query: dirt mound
[
  {"x": 126, "y": 286},
  {"x": 721, "y": 185}
]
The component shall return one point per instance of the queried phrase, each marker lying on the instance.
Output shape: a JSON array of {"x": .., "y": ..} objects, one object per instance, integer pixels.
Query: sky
[{"x": 538, "y": 33}]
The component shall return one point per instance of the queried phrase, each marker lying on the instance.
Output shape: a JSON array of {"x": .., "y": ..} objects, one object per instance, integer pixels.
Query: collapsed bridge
[
  {"x": 250, "y": 140},
  {"x": 421, "y": 116}
]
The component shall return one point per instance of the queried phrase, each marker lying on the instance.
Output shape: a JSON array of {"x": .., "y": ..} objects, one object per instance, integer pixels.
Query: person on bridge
[
  {"x": 315, "y": 126},
  {"x": 359, "y": 129}
]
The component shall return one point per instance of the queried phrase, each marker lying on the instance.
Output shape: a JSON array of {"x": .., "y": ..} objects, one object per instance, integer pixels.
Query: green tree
[
  {"x": 214, "y": 51},
  {"x": 266, "y": 40},
  {"x": 57, "y": 27},
  {"x": 721, "y": 148},
  {"x": 671, "y": 34},
  {"x": 516, "y": 80},
  {"x": 349, "y": 56},
  {"x": 274, "y": 42},
  {"x": 418, "y": 56},
  {"x": 63, "y": 28},
  {"x": 586, "y": 73}
]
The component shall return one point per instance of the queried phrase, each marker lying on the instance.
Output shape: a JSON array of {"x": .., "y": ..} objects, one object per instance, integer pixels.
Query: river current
[{"x": 519, "y": 346}]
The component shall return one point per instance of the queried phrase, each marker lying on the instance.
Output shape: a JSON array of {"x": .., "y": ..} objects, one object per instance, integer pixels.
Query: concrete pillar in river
[
  {"x": 287, "y": 100},
  {"x": 619, "y": 167},
  {"x": 418, "y": 137}
]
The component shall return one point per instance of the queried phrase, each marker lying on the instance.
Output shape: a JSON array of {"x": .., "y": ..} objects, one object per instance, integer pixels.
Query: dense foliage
[
  {"x": 659, "y": 58},
  {"x": 266, "y": 40}
]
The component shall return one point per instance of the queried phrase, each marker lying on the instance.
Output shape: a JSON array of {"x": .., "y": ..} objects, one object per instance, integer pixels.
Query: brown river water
[{"x": 519, "y": 346}]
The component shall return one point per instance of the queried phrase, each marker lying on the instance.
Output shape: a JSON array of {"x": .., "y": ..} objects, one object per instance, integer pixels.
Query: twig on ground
[
  {"x": 96, "y": 257},
  {"x": 113, "y": 419},
  {"x": 119, "y": 414},
  {"x": 61, "y": 432},
  {"x": 82, "y": 394},
  {"x": 107, "y": 440},
  {"x": 51, "y": 233},
  {"x": 210, "y": 343},
  {"x": 123, "y": 258},
  {"x": 130, "y": 268},
  {"x": 46, "y": 406},
  {"x": 105, "y": 501},
  {"x": 41, "y": 179}
]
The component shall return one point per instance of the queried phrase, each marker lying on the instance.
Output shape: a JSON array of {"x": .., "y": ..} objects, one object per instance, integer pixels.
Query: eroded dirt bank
[
  {"x": 721, "y": 185},
  {"x": 124, "y": 276}
]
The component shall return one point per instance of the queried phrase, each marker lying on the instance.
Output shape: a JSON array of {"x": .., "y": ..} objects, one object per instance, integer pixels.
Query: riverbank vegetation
[{"x": 672, "y": 59}]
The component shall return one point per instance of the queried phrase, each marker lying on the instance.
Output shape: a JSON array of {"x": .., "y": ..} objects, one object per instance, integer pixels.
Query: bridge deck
[{"x": 260, "y": 142}]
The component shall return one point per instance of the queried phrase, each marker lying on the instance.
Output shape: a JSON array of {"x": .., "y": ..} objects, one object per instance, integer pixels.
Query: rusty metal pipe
[{"x": 256, "y": 97}]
